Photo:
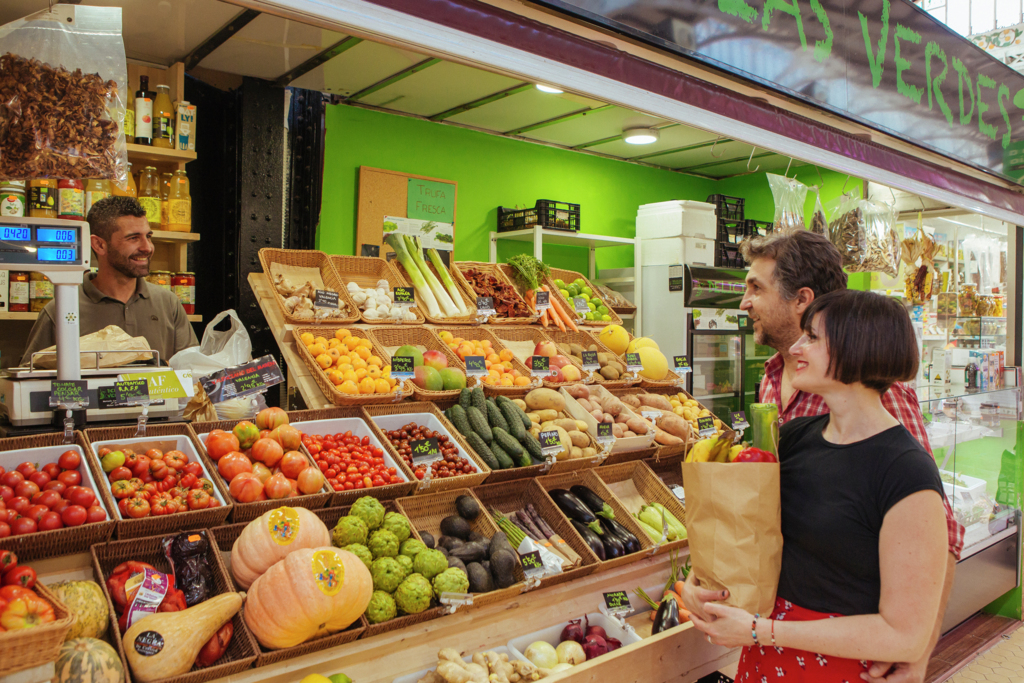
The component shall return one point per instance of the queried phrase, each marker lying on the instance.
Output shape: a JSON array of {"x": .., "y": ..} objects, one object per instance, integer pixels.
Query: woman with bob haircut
[{"x": 863, "y": 526}]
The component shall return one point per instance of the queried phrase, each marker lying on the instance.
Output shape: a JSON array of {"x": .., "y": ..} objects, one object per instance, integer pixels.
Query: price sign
[
  {"x": 675, "y": 284},
  {"x": 580, "y": 304},
  {"x": 404, "y": 296},
  {"x": 543, "y": 301},
  {"x": 604, "y": 432},
  {"x": 549, "y": 442},
  {"x": 403, "y": 367},
  {"x": 706, "y": 426},
  {"x": 455, "y": 600},
  {"x": 69, "y": 393},
  {"x": 651, "y": 415},
  {"x": 590, "y": 361},
  {"x": 540, "y": 365},
  {"x": 633, "y": 363},
  {"x": 617, "y": 603},
  {"x": 476, "y": 366},
  {"x": 372, "y": 250},
  {"x": 424, "y": 450},
  {"x": 242, "y": 380},
  {"x": 739, "y": 420},
  {"x": 532, "y": 564},
  {"x": 485, "y": 306},
  {"x": 967, "y": 498},
  {"x": 131, "y": 391},
  {"x": 682, "y": 364},
  {"x": 325, "y": 298},
  {"x": 679, "y": 493}
]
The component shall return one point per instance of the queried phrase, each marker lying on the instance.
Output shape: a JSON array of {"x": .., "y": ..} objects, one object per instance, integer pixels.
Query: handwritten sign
[
  {"x": 485, "y": 305},
  {"x": 476, "y": 366},
  {"x": 431, "y": 200},
  {"x": 633, "y": 363},
  {"x": 404, "y": 296},
  {"x": 543, "y": 301},
  {"x": 549, "y": 442},
  {"x": 68, "y": 393},
  {"x": 681, "y": 364},
  {"x": 675, "y": 284},
  {"x": 403, "y": 367},
  {"x": 424, "y": 450},
  {"x": 739, "y": 420},
  {"x": 532, "y": 563},
  {"x": 617, "y": 602},
  {"x": 706, "y": 426},
  {"x": 242, "y": 380},
  {"x": 325, "y": 298},
  {"x": 540, "y": 365},
  {"x": 131, "y": 391},
  {"x": 590, "y": 361},
  {"x": 604, "y": 432}
]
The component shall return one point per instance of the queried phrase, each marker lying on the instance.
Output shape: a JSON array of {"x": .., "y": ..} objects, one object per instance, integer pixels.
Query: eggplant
[
  {"x": 666, "y": 617},
  {"x": 593, "y": 501},
  {"x": 574, "y": 509},
  {"x": 631, "y": 542},
  {"x": 590, "y": 538},
  {"x": 613, "y": 547}
]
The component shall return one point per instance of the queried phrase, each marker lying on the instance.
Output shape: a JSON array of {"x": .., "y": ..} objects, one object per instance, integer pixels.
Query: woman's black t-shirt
[{"x": 834, "y": 498}]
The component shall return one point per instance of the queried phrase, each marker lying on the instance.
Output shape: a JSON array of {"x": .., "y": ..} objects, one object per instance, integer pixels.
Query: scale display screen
[
  {"x": 55, "y": 255},
  {"x": 62, "y": 235},
  {"x": 13, "y": 233}
]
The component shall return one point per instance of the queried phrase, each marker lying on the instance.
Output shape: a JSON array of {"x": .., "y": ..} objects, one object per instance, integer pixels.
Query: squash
[
  {"x": 308, "y": 594},
  {"x": 166, "y": 644},
  {"x": 87, "y": 602},
  {"x": 267, "y": 539},
  {"x": 88, "y": 660}
]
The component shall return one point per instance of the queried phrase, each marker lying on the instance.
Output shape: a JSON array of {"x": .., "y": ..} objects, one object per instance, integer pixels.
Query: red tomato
[
  {"x": 232, "y": 464},
  {"x": 26, "y": 489},
  {"x": 19, "y": 504},
  {"x": 140, "y": 466},
  {"x": 25, "y": 577},
  {"x": 75, "y": 515},
  {"x": 155, "y": 454},
  {"x": 219, "y": 443},
  {"x": 49, "y": 521},
  {"x": 70, "y": 477},
  {"x": 51, "y": 470},
  {"x": 175, "y": 460},
  {"x": 194, "y": 468},
  {"x": 246, "y": 487},
  {"x": 57, "y": 486},
  {"x": 267, "y": 451},
  {"x": 158, "y": 469},
  {"x": 69, "y": 460},
  {"x": 60, "y": 506},
  {"x": 96, "y": 514},
  {"x": 187, "y": 481},
  {"x": 79, "y": 495},
  {"x": 119, "y": 474},
  {"x": 122, "y": 507},
  {"x": 26, "y": 469},
  {"x": 23, "y": 525},
  {"x": 49, "y": 499},
  {"x": 34, "y": 512},
  {"x": 12, "y": 479},
  {"x": 5, "y": 529},
  {"x": 6, "y": 493},
  {"x": 40, "y": 479}
]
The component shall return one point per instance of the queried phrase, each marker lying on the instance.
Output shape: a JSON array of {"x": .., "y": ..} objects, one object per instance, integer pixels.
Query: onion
[
  {"x": 572, "y": 631},
  {"x": 596, "y": 631},
  {"x": 542, "y": 654},
  {"x": 570, "y": 652},
  {"x": 613, "y": 644},
  {"x": 595, "y": 646}
]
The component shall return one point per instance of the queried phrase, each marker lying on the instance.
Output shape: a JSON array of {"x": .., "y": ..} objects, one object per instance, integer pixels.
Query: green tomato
[
  {"x": 587, "y": 292},
  {"x": 606, "y": 318}
]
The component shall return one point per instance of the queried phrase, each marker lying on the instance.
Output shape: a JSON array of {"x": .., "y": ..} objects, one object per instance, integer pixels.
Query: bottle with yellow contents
[
  {"x": 149, "y": 195},
  {"x": 165, "y": 187},
  {"x": 179, "y": 204}
]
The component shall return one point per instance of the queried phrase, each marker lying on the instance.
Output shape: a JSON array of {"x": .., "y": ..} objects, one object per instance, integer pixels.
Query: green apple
[
  {"x": 340, "y": 678},
  {"x": 112, "y": 460}
]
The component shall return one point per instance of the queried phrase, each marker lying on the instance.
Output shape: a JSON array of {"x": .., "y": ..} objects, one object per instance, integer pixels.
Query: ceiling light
[
  {"x": 549, "y": 88},
  {"x": 640, "y": 136}
]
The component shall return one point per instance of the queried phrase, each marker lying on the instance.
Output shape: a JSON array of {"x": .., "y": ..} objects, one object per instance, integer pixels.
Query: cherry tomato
[
  {"x": 70, "y": 477},
  {"x": 26, "y": 489},
  {"x": 23, "y": 525},
  {"x": 5, "y": 529},
  {"x": 40, "y": 479},
  {"x": 49, "y": 499},
  {"x": 49, "y": 521},
  {"x": 75, "y": 515},
  {"x": 96, "y": 514},
  {"x": 57, "y": 486}
]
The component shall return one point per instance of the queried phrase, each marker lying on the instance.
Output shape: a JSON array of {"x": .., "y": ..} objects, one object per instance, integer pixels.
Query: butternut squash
[
  {"x": 267, "y": 539},
  {"x": 166, "y": 644}
]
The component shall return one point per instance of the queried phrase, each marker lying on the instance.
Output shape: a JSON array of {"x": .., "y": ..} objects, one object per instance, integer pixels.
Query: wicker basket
[
  {"x": 386, "y": 337},
  {"x": 244, "y": 512},
  {"x": 671, "y": 452},
  {"x": 569, "y": 276},
  {"x": 46, "y": 544},
  {"x": 165, "y": 524},
  {"x": 534, "y": 335},
  {"x": 652, "y": 489},
  {"x": 242, "y": 649},
  {"x": 485, "y": 332},
  {"x": 366, "y": 271},
  {"x": 466, "y": 292},
  {"x": 435, "y": 485},
  {"x": 308, "y": 258},
  {"x": 590, "y": 479},
  {"x": 426, "y": 513},
  {"x": 670, "y": 473},
  {"x": 670, "y": 393},
  {"x": 585, "y": 339},
  {"x": 511, "y": 496},
  {"x": 402, "y": 391},
  {"x": 492, "y": 269},
  {"x": 28, "y": 648}
]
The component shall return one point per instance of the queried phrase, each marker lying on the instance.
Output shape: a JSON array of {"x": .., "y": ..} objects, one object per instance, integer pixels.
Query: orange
[
  {"x": 361, "y": 373},
  {"x": 373, "y": 372},
  {"x": 348, "y": 387},
  {"x": 367, "y": 386},
  {"x": 351, "y": 343},
  {"x": 366, "y": 343},
  {"x": 505, "y": 355},
  {"x": 375, "y": 360},
  {"x": 335, "y": 377},
  {"x": 306, "y": 338},
  {"x": 324, "y": 361},
  {"x": 341, "y": 333},
  {"x": 382, "y": 386},
  {"x": 507, "y": 381},
  {"x": 363, "y": 352},
  {"x": 521, "y": 381},
  {"x": 317, "y": 349},
  {"x": 320, "y": 340}
]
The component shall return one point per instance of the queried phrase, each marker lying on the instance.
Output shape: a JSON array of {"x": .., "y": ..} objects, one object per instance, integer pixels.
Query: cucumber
[
  {"x": 533, "y": 447},
  {"x": 504, "y": 459},
  {"x": 466, "y": 398},
  {"x": 459, "y": 418},
  {"x": 478, "y": 445},
  {"x": 511, "y": 412},
  {"x": 507, "y": 443},
  {"x": 479, "y": 424},
  {"x": 495, "y": 418},
  {"x": 479, "y": 402}
]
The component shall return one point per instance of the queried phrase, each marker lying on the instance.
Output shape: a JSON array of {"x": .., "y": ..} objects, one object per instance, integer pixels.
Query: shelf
[
  {"x": 7, "y": 315},
  {"x": 158, "y": 154},
  {"x": 707, "y": 359},
  {"x": 564, "y": 238},
  {"x": 173, "y": 236},
  {"x": 731, "y": 394}
]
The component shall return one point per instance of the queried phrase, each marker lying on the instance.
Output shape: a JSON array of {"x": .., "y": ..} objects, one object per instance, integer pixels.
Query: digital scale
[{"x": 60, "y": 250}]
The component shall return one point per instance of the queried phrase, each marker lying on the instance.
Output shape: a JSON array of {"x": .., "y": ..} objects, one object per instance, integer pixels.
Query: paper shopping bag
[{"x": 734, "y": 523}]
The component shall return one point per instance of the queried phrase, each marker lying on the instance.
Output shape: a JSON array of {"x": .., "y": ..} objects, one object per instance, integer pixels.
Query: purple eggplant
[
  {"x": 593, "y": 501},
  {"x": 590, "y": 538},
  {"x": 574, "y": 509},
  {"x": 627, "y": 539}
]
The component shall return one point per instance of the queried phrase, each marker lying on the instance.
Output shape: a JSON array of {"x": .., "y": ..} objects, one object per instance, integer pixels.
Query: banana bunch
[{"x": 714, "y": 449}]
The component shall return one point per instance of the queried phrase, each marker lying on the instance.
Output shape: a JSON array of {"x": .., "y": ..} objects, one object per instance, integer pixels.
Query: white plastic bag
[{"x": 789, "y": 195}]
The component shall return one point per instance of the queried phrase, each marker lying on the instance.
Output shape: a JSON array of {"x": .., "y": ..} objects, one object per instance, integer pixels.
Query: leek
[
  {"x": 445, "y": 301},
  {"x": 449, "y": 284},
  {"x": 396, "y": 242}
]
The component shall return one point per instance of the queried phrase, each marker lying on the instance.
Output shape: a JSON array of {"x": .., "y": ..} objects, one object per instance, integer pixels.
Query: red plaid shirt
[{"x": 900, "y": 401}]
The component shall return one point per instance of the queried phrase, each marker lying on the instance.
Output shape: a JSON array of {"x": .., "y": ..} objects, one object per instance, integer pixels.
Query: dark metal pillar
[{"x": 307, "y": 138}]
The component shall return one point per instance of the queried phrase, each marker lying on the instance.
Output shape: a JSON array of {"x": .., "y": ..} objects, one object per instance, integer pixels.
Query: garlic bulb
[
  {"x": 359, "y": 297},
  {"x": 409, "y": 315},
  {"x": 372, "y": 314},
  {"x": 383, "y": 294},
  {"x": 397, "y": 314},
  {"x": 353, "y": 287}
]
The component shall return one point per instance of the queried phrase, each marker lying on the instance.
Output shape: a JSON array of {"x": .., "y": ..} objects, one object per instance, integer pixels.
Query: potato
[
  {"x": 534, "y": 417},
  {"x": 579, "y": 439},
  {"x": 546, "y": 415},
  {"x": 638, "y": 425},
  {"x": 521, "y": 403},
  {"x": 581, "y": 426},
  {"x": 563, "y": 438},
  {"x": 655, "y": 401},
  {"x": 568, "y": 425},
  {"x": 607, "y": 418},
  {"x": 545, "y": 399},
  {"x": 631, "y": 400},
  {"x": 575, "y": 453},
  {"x": 589, "y": 452},
  {"x": 585, "y": 404},
  {"x": 628, "y": 434},
  {"x": 535, "y": 430},
  {"x": 577, "y": 391},
  {"x": 597, "y": 414}
]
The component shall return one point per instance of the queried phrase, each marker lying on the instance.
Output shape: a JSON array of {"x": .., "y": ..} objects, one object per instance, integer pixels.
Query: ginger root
[
  {"x": 526, "y": 671},
  {"x": 431, "y": 677},
  {"x": 500, "y": 668},
  {"x": 457, "y": 673},
  {"x": 450, "y": 654}
]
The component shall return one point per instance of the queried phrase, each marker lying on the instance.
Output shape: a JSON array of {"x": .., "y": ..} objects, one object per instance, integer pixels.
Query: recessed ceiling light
[
  {"x": 640, "y": 136},
  {"x": 549, "y": 88}
]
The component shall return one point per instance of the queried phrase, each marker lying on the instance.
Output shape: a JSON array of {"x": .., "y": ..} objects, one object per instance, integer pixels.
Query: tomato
[
  {"x": 193, "y": 468},
  {"x": 24, "y": 577},
  {"x": 19, "y": 504},
  {"x": 233, "y": 464},
  {"x": 155, "y": 454},
  {"x": 70, "y": 477},
  {"x": 158, "y": 469},
  {"x": 75, "y": 515},
  {"x": 49, "y": 521},
  {"x": 198, "y": 499},
  {"x": 22, "y": 526},
  {"x": 40, "y": 479},
  {"x": 103, "y": 451},
  {"x": 12, "y": 479},
  {"x": 79, "y": 495},
  {"x": 187, "y": 481},
  {"x": 5, "y": 529},
  {"x": 122, "y": 489},
  {"x": 95, "y": 514},
  {"x": 122, "y": 507},
  {"x": 137, "y": 483},
  {"x": 6, "y": 493},
  {"x": 167, "y": 483},
  {"x": 119, "y": 474},
  {"x": 26, "y": 489},
  {"x": 207, "y": 486},
  {"x": 219, "y": 443},
  {"x": 175, "y": 460},
  {"x": 162, "y": 505},
  {"x": 35, "y": 512},
  {"x": 60, "y": 506},
  {"x": 57, "y": 486},
  {"x": 26, "y": 469},
  {"x": 69, "y": 460},
  {"x": 140, "y": 466},
  {"x": 267, "y": 451},
  {"x": 49, "y": 499}
]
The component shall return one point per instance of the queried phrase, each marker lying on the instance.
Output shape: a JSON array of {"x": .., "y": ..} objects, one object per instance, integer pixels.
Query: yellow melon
[
  {"x": 615, "y": 338},
  {"x": 640, "y": 343},
  {"x": 654, "y": 362}
]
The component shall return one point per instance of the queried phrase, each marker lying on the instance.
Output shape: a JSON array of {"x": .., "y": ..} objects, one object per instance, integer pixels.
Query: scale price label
[
  {"x": 425, "y": 450},
  {"x": 404, "y": 296},
  {"x": 325, "y": 298},
  {"x": 580, "y": 304},
  {"x": 617, "y": 602},
  {"x": 403, "y": 367},
  {"x": 540, "y": 365},
  {"x": 476, "y": 366},
  {"x": 604, "y": 432},
  {"x": 543, "y": 301},
  {"x": 706, "y": 427},
  {"x": 739, "y": 420},
  {"x": 485, "y": 306},
  {"x": 549, "y": 442},
  {"x": 131, "y": 391},
  {"x": 675, "y": 284},
  {"x": 68, "y": 393},
  {"x": 682, "y": 364},
  {"x": 590, "y": 361},
  {"x": 532, "y": 564},
  {"x": 633, "y": 363},
  {"x": 242, "y": 380}
]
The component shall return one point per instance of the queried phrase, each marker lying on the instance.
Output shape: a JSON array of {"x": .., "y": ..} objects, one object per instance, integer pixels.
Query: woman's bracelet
[
  {"x": 753, "y": 629},
  {"x": 773, "y": 633}
]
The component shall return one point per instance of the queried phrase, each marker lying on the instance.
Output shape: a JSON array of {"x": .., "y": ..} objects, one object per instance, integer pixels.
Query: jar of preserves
[
  {"x": 95, "y": 190},
  {"x": 12, "y": 198},
  {"x": 179, "y": 204},
  {"x": 149, "y": 195},
  {"x": 71, "y": 199},
  {"x": 42, "y": 198},
  {"x": 40, "y": 291},
  {"x": 17, "y": 299},
  {"x": 184, "y": 287},
  {"x": 160, "y": 278}
]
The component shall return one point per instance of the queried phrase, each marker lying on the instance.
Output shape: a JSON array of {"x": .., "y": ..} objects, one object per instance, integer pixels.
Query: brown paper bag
[
  {"x": 734, "y": 523},
  {"x": 111, "y": 338}
]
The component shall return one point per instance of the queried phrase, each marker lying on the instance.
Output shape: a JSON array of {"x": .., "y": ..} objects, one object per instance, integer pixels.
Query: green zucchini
[
  {"x": 479, "y": 424},
  {"x": 495, "y": 418},
  {"x": 478, "y": 445},
  {"x": 511, "y": 412},
  {"x": 459, "y": 418}
]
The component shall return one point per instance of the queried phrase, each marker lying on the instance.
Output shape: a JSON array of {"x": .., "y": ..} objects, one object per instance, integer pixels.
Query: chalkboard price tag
[
  {"x": 540, "y": 365},
  {"x": 590, "y": 361},
  {"x": 404, "y": 296},
  {"x": 485, "y": 305},
  {"x": 71, "y": 393},
  {"x": 604, "y": 432},
  {"x": 242, "y": 380},
  {"x": 706, "y": 426},
  {"x": 132, "y": 391},
  {"x": 675, "y": 284},
  {"x": 682, "y": 364},
  {"x": 372, "y": 250},
  {"x": 325, "y": 298},
  {"x": 403, "y": 367},
  {"x": 424, "y": 450},
  {"x": 633, "y": 363},
  {"x": 476, "y": 366},
  {"x": 549, "y": 442},
  {"x": 543, "y": 301},
  {"x": 739, "y": 420},
  {"x": 617, "y": 602},
  {"x": 532, "y": 564},
  {"x": 580, "y": 304}
]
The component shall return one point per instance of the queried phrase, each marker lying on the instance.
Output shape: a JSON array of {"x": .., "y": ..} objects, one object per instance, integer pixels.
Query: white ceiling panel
[
  {"x": 516, "y": 111},
  {"x": 597, "y": 125},
  {"x": 439, "y": 88},
  {"x": 357, "y": 68},
  {"x": 269, "y": 46}
]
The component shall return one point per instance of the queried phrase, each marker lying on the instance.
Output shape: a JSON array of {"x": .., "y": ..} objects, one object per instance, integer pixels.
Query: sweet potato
[
  {"x": 638, "y": 425},
  {"x": 622, "y": 418},
  {"x": 577, "y": 391},
  {"x": 610, "y": 404},
  {"x": 585, "y": 404},
  {"x": 618, "y": 430},
  {"x": 674, "y": 425},
  {"x": 597, "y": 414},
  {"x": 665, "y": 439},
  {"x": 655, "y": 401},
  {"x": 631, "y": 400},
  {"x": 629, "y": 434}
]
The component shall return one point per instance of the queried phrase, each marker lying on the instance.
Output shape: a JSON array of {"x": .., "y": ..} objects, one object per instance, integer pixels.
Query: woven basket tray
[
  {"x": 465, "y": 291},
  {"x": 670, "y": 473},
  {"x": 244, "y": 512},
  {"x": 436, "y": 485},
  {"x": 585, "y": 339},
  {"x": 366, "y": 271},
  {"x": 670, "y": 393},
  {"x": 535, "y": 336},
  {"x": 663, "y": 452},
  {"x": 309, "y": 258},
  {"x": 386, "y": 337},
  {"x": 403, "y": 389},
  {"x": 28, "y": 648},
  {"x": 652, "y": 489},
  {"x": 165, "y": 524},
  {"x": 590, "y": 479},
  {"x": 486, "y": 332},
  {"x": 46, "y": 544},
  {"x": 568, "y": 276},
  {"x": 426, "y": 513},
  {"x": 492, "y": 269},
  {"x": 242, "y": 649},
  {"x": 511, "y": 496}
]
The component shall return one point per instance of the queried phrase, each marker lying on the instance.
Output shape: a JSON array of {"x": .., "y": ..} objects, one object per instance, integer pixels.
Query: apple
[
  {"x": 571, "y": 373},
  {"x": 435, "y": 359},
  {"x": 558, "y": 362},
  {"x": 546, "y": 348},
  {"x": 271, "y": 418},
  {"x": 556, "y": 375}
]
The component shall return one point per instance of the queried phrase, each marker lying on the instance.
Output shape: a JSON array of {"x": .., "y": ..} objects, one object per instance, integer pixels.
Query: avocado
[
  {"x": 457, "y": 563},
  {"x": 455, "y": 526},
  {"x": 479, "y": 578},
  {"x": 470, "y": 552},
  {"x": 427, "y": 539},
  {"x": 500, "y": 542},
  {"x": 467, "y": 507},
  {"x": 449, "y": 543},
  {"x": 476, "y": 537},
  {"x": 503, "y": 564}
]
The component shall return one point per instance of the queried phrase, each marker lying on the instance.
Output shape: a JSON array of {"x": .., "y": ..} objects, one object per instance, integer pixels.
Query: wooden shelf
[
  {"x": 158, "y": 155},
  {"x": 171, "y": 236},
  {"x": 7, "y": 315}
]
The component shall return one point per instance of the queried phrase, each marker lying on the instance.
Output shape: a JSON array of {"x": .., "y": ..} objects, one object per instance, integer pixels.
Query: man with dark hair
[{"x": 118, "y": 293}]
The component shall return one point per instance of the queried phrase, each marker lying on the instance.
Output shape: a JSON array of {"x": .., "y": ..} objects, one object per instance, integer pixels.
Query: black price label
[
  {"x": 580, "y": 304},
  {"x": 739, "y": 420},
  {"x": 107, "y": 398},
  {"x": 549, "y": 440},
  {"x": 681, "y": 363},
  {"x": 706, "y": 426},
  {"x": 543, "y": 301},
  {"x": 590, "y": 361},
  {"x": 633, "y": 363},
  {"x": 391, "y": 256},
  {"x": 476, "y": 366},
  {"x": 617, "y": 601},
  {"x": 131, "y": 391},
  {"x": 404, "y": 295},
  {"x": 424, "y": 450},
  {"x": 540, "y": 365},
  {"x": 604, "y": 430},
  {"x": 325, "y": 298},
  {"x": 68, "y": 392},
  {"x": 675, "y": 284},
  {"x": 485, "y": 305},
  {"x": 242, "y": 380},
  {"x": 531, "y": 561},
  {"x": 372, "y": 250},
  {"x": 249, "y": 383},
  {"x": 402, "y": 366}
]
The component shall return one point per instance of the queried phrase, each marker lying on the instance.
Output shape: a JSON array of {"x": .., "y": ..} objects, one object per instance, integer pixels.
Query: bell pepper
[
  {"x": 216, "y": 646},
  {"x": 120, "y": 576},
  {"x": 26, "y": 612},
  {"x": 9, "y": 593}
]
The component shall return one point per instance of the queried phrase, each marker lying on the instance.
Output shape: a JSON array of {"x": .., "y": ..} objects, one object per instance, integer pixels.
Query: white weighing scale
[{"x": 60, "y": 249}]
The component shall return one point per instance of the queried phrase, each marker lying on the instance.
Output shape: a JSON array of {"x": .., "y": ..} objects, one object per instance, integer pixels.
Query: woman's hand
[
  {"x": 694, "y": 597},
  {"x": 728, "y": 627}
]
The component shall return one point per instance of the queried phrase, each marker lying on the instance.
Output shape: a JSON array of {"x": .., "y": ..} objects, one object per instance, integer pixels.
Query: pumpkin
[
  {"x": 166, "y": 644},
  {"x": 267, "y": 539},
  {"x": 88, "y": 660},
  {"x": 87, "y": 602},
  {"x": 310, "y": 593}
]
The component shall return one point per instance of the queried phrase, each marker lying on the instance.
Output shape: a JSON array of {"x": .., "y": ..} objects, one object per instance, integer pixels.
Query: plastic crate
[
  {"x": 548, "y": 213},
  {"x": 758, "y": 228},
  {"x": 729, "y": 208},
  {"x": 728, "y": 256},
  {"x": 730, "y": 231}
]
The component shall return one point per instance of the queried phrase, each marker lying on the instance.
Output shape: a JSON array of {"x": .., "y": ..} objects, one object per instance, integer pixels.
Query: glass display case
[
  {"x": 754, "y": 358},
  {"x": 716, "y": 357},
  {"x": 975, "y": 332}
]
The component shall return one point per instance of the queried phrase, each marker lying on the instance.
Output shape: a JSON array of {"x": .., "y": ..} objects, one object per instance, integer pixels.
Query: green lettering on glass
[
  {"x": 985, "y": 128},
  {"x": 933, "y": 50},
  {"x": 1005, "y": 90},
  {"x": 738, "y": 8},
  {"x": 876, "y": 60},
  {"x": 962, "y": 75},
  {"x": 791, "y": 8},
  {"x": 822, "y": 48},
  {"x": 902, "y": 87}
]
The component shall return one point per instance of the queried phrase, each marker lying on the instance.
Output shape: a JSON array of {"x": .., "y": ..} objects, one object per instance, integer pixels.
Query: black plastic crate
[
  {"x": 758, "y": 228},
  {"x": 730, "y": 231},
  {"x": 548, "y": 213},
  {"x": 728, "y": 256},
  {"x": 726, "y": 207}
]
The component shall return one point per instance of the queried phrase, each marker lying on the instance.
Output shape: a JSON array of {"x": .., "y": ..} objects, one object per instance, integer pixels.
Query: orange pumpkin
[
  {"x": 268, "y": 539},
  {"x": 311, "y": 593}
]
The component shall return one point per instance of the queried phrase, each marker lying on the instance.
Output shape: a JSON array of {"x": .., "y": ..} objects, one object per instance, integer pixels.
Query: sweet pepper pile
[{"x": 174, "y": 599}]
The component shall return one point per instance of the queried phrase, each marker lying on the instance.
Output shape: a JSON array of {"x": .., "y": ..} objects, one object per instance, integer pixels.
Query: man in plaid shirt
[{"x": 786, "y": 272}]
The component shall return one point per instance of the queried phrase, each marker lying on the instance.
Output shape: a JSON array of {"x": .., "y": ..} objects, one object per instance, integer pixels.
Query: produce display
[
  {"x": 156, "y": 483},
  {"x": 507, "y": 302},
  {"x": 562, "y": 370},
  {"x": 499, "y": 429},
  {"x": 595, "y": 521},
  {"x": 47, "y": 498},
  {"x": 431, "y": 371},
  {"x": 608, "y": 408},
  {"x": 489, "y": 563},
  {"x": 448, "y": 464},
  {"x": 578, "y": 642},
  {"x": 482, "y": 667},
  {"x": 377, "y": 303},
  {"x": 679, "y": 413},
  {"x": 669, "y": 611},
  {"x": 267, "y": 540},
  {"x": 655, "y": 365},
  {"x": 527, "y": 523},
  {"x": 439, "y": 301},
  {"x": 527, "y": 272},
  {"x": 615, "y": 338},
  {"x": 499, "y": 364},
  {"x": 578, "y": 288},
  {"x": 350, "y": 462},
  {"x": 612, "y": 367},
  {"x": 654, "y": 517},
  {"x": 349, "y": 363}
]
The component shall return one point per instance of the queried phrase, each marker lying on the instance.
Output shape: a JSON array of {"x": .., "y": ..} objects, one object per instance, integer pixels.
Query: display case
[
  {"x": 976, "y": 332},
  {"x": 754, "y": 358},
  {"x": 716, "y": 357}
]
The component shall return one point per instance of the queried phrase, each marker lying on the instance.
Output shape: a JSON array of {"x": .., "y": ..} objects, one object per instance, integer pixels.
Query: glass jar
[
  {"x": 989, "y": 415},
  {"x": 184, "y": 287},
  {"x": 149, "y": 195},
  {"x": 40, "y": 291},
  {"x": 968, "y": 299},
  {"x": 95, "y": 190},
  {"x": 42, "y": 198},
  {"x": 160, "y": 278},
  {"x": 130, "y": 189},
  {"x": 12, "y": 198},
  {"x": 71, "y": 199},
  {"x": 179, "y": 204},
  {"x": 17, "y": 298},
  {"x": 163, "y": 118},
  {"x": 165, "y": 187},
  {"x": 129, "y": 120}
]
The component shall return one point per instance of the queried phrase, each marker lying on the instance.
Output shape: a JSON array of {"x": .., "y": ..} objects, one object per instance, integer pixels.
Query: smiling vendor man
[{"x": 118, "y": 294}]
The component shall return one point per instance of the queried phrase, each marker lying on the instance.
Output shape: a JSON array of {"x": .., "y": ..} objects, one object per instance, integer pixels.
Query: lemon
[{"x": 315, "y": 678}]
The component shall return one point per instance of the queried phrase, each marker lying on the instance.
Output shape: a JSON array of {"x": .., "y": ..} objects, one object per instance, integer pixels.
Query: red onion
[
  {"x": 573, "y": 631},
  {"x": 594, "y": 646},
  {"x": 613, "y": 644},
  {"x": 596, "y": 631}
]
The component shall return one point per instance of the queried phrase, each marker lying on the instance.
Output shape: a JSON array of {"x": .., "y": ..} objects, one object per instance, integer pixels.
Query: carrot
[
  {"x": 678, "y": 587},
  {"x": 562, "y": 318}
]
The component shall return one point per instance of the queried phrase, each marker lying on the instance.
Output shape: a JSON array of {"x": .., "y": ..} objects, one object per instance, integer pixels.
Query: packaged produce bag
[
  {"x": 864, "y": 231},
  {"x": 819, "y": 223},
  {"x": 789, "y": 195},
  {"x": 119, "y": 347},
  {"x": 734, "y": 523}
]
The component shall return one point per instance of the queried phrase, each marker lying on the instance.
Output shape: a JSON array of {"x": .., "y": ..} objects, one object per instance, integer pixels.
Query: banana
[{"x": 701, "y": 451}]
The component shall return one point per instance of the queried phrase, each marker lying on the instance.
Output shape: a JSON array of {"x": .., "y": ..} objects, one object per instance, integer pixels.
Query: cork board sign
[{"x": 386, "y": 193}]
